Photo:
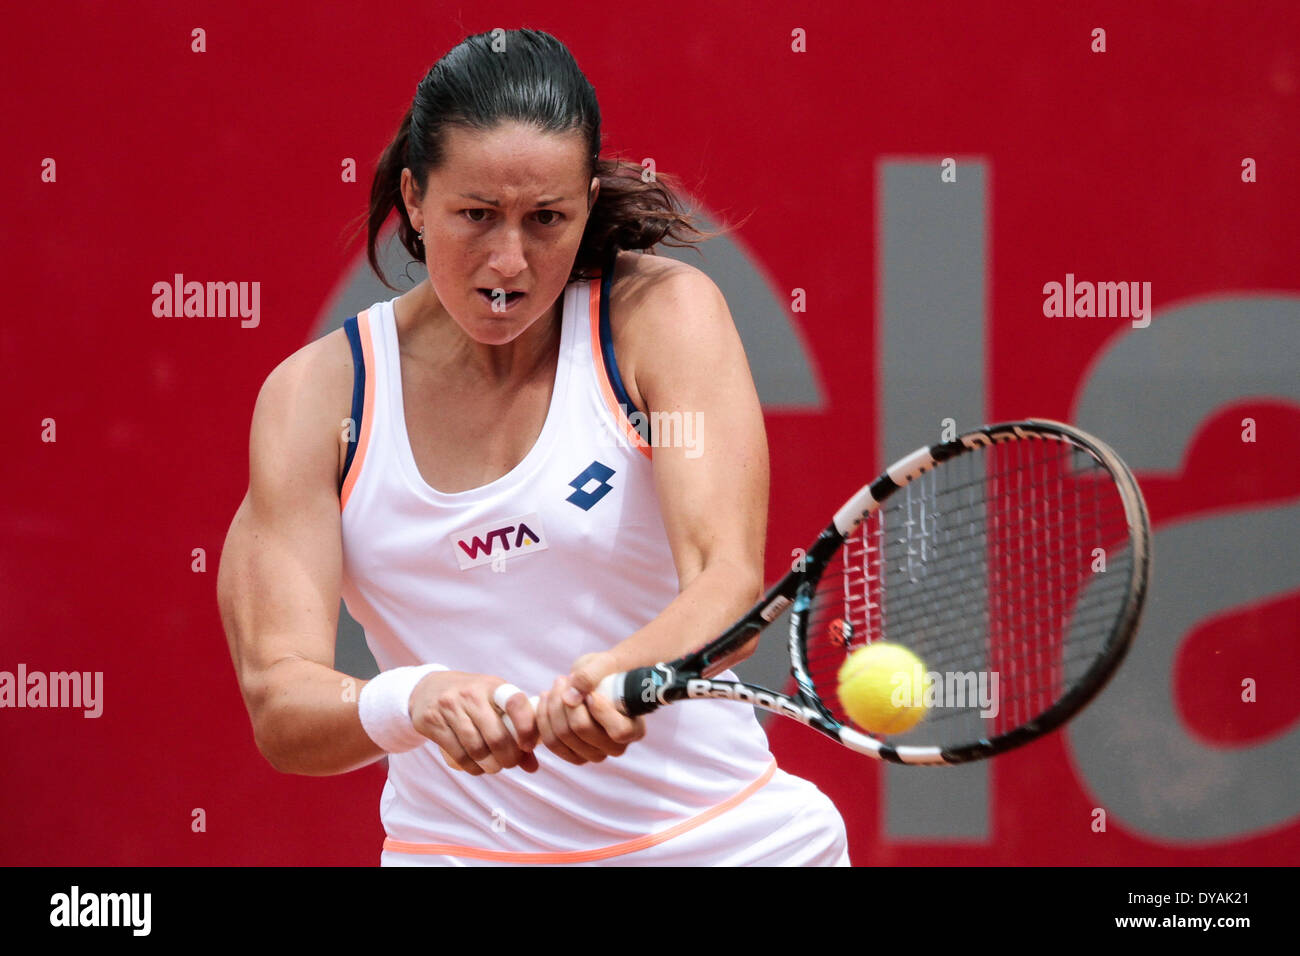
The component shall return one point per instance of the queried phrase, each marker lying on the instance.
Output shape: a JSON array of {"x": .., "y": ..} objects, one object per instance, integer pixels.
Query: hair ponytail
[{"x": 386, "y": 195}]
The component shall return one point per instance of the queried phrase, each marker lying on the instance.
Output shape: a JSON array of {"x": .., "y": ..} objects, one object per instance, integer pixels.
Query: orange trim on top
[
  {"x": 586, "y": 856},
  {"x": 368, "y": 411},
  {"x": 606, "y": 389}
]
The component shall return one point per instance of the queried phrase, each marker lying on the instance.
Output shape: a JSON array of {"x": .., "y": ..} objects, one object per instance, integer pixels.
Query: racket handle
[
  {"x": 636, "y": 692},
  {"x": 611, "y": 687}
]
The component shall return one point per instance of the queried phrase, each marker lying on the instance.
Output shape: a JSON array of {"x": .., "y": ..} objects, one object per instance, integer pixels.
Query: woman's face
[{"x": 505, "y": 214}]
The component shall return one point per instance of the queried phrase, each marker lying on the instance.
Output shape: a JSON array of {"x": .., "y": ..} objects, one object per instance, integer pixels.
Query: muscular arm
[
  {"x": 686, "y": 357},
  {"x": 682, "y": 358},
  {"x": 278, "y": 589},
  {"x": 279, "y": 581}
]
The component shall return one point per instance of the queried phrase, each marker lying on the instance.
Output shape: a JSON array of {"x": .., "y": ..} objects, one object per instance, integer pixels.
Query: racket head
[{"x": 1012, "y": 561}]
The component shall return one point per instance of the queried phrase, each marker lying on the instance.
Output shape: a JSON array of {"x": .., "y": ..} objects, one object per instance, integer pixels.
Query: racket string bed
[{"x": 1009, "y": 536}]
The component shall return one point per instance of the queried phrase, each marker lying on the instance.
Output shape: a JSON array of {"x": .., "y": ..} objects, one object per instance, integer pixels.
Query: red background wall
[{"x": 225, "y": 165}]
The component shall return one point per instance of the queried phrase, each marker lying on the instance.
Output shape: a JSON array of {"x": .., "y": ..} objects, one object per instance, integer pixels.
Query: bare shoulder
[
  {"x": 642, "y": 280},
  {"x": 304, "y": 401},
  {"x": 318, "y": 375},
  {"x": 659, "y": 308}
]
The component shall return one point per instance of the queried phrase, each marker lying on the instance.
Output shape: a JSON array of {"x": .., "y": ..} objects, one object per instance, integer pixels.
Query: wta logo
[{"x": 499, "y": 540}]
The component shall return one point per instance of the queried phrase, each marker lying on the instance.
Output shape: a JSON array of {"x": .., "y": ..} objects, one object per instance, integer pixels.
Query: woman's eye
[{"x": 473, "y": 216}]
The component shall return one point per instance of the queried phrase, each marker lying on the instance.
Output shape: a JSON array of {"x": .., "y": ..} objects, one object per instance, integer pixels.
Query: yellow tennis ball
[{"x": 882, "y": 688}]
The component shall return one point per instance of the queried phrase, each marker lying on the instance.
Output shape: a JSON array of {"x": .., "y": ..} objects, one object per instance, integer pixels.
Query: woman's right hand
[{"x": 455, "y": 710}]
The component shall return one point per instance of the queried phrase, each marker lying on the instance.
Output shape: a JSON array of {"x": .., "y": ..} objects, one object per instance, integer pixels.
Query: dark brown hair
[{"x": 530, "y": 77}]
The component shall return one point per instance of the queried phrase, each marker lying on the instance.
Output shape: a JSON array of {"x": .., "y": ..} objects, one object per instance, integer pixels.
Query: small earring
[{"x": 422, "y": 235}]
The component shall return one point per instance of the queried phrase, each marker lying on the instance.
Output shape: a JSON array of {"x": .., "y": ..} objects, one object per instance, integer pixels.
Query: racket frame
[{"x": 645, "y": 689}]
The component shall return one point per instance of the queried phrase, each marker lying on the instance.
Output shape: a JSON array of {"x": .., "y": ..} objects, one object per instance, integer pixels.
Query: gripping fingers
[
  {"x": 576, "y": 728},
  {"x": 449, "y": 745},
  {"x": 621, "y": 729},
  {"x": 462, "y": 762},
  {"x": 463, "y": 716},
  {"x": 456, "y": 712},
  {"x": 545, "y": 708},
  {"x": 517, "y": 749},
  {"x": 501, "y": 698}
]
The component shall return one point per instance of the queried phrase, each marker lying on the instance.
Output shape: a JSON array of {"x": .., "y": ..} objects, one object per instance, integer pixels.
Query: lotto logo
[{"x": 585, "y": 497}]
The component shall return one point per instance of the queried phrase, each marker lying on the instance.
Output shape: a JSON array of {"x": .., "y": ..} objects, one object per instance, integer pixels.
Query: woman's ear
[{"x": 411, "y": 198}]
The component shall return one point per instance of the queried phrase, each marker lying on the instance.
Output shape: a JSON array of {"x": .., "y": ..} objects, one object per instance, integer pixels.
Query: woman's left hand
[{"x": 579, "y": 725}]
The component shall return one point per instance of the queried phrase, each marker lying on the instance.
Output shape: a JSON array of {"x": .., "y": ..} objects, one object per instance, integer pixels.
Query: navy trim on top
[
  {"x": 353, "y": 333},
  {"x": 607, "y": 338}
]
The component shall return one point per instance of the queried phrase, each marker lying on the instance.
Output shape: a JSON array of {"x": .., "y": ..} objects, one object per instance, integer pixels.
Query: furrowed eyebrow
[{"x": 491, "y": 202}]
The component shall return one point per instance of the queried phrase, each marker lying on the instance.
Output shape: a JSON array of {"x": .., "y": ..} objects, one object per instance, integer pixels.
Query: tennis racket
[{"x": 1013, "y": 557}]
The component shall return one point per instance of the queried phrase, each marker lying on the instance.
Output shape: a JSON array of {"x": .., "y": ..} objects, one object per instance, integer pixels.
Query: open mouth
[{"x": 491, "y": 298}]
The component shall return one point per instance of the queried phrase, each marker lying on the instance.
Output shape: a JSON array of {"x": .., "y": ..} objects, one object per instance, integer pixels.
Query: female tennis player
[{"x": 542, "y": 465}]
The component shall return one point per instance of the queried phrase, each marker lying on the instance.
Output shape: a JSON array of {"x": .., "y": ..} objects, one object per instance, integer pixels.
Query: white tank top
[{"x": 564, "y": 555}]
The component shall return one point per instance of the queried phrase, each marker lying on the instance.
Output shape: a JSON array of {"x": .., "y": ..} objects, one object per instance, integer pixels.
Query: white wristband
[{"x": 385, "y": 707}]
